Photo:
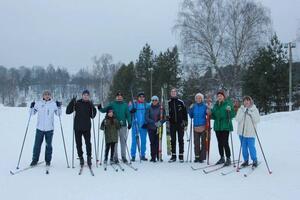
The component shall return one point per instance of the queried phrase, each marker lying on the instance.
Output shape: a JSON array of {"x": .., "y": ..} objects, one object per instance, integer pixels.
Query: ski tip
[{"x": 11, "y": 173}]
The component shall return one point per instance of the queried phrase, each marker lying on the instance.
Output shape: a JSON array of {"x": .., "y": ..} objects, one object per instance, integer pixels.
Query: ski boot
[
  {"x": 254, "y": 164},
  {"x": 245, "y": 163},
  {"x": 228, "y": 162},
  {"x": 143, "y": 158},
  {"x": 89, "y": 161},
  {"x": 196, "y": 160},
  {"x": 173, "y": 159},
  {"x": 153, "y": 160},
  {"x": 181, "y": 158},
  {"x": 81, "y": 161},
  {"x": 221, "y": 161},
  {"x": 124, "y": 160},
  {"x": 132, "y": 159},
  {"x": 33, "y": 163}
]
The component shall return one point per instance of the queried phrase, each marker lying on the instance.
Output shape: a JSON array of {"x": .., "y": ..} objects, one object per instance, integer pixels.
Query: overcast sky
[{"x": 70, "y": 32}]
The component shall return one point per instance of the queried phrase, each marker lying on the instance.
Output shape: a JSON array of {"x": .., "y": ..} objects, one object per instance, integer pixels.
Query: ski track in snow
[{"x": 279, "y": 134}]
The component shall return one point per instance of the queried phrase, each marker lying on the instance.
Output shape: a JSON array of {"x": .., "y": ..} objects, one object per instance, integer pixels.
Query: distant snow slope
[{"x": 279, "y": 134}]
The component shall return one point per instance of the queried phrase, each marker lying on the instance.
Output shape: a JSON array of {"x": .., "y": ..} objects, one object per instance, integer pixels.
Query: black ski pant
[
  {"x": 154, "y": 143},
  {"x": 87, "y": 138},
  {"x": 109, "y": 146},
  {"x": 177, "y": 130},
  {"x": 199, "y": 145},
  {"x": 222, "y": 137}
]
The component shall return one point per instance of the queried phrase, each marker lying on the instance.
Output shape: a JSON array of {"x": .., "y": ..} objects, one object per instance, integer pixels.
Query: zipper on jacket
[{"x": 175, "y": 111}]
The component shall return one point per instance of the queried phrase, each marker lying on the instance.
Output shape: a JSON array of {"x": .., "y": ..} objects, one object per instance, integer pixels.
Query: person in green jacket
[
  {"x": 122, "y": 114},
  {"x": 110, "y": 125},
  {"x": 222, "y": 114}
]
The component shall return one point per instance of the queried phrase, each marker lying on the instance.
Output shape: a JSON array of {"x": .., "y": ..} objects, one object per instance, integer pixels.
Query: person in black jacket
[
  {"x": 178, "y": 122},
  {"x": 84, "y": 111}
]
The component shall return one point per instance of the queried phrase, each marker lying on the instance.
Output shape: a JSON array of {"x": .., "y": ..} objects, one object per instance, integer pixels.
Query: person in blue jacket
[
  {"x": 198, "y": 112},
  {"x": 138, "y": 110}
]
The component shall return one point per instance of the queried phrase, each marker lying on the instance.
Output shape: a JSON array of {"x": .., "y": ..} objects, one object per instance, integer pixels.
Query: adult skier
[
  {"x": 222, "y": 114},
  {"x": 122, "y": 114},
  {"x": 84, "y": 111},
  {"x": 138, "y": 110},
  {"x": 247, "y": 114},
  {"x": 153, "y": 120},
  {"x": 45, "y": 108},
  {"x": 198, "y": 112},
  {"x": 178, "y": 123}
]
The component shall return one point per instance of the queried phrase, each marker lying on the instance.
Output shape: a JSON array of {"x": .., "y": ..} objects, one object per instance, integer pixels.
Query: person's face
[
  {"x": 247, "y": 103},
  {"x": 47, "y": 97},
  {"x": 119, "y": 98},
  {"x": 198, "y": 99},
  {"x": 142, "y": 98},
  {"x": 86, "y": 97},
  {"x": 110, "y": 114},
  {"x": 173, "y": 93},
  {"x": 220, "y": 97},
  {"x": 154, "y": 102}
]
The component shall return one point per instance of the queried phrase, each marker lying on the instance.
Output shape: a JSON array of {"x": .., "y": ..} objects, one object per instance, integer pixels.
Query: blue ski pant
[
  {"x": 248, "y": 145},
  {"x": 39, "y": 137},
  {"x": 143, "y": 141}
]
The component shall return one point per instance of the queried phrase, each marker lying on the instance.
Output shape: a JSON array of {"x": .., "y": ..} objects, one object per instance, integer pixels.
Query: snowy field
[{"x": 278, "y": 132}]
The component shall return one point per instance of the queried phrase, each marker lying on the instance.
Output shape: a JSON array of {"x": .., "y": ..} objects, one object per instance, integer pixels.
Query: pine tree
[{"x": 266, "y": 79}]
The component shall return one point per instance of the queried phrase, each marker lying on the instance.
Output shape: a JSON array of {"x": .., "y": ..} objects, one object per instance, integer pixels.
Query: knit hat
[
  {"x": 199, "y": 94},
  {"x": 47, "y": 92},
  {"x": 119, "y": 93},
  {"x": 85, "y": 92},
  {"x": 154, "y": 98},
  {"x": 109, "y": 108},
  {"x": 222, "y": 92},
  {"x": 141, "y": 94}
]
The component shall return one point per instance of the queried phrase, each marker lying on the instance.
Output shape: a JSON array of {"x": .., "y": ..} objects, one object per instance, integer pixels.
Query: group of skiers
[{"x": 145, "y": 119}]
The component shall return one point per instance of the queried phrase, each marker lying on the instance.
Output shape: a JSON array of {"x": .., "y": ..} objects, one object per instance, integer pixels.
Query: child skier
[
  {"x": 111, "y": 126},
  {"x": 247, "y": 118}
]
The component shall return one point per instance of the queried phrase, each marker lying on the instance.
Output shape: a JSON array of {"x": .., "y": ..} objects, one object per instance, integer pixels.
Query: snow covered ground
[{"x": 278, "y": 132}]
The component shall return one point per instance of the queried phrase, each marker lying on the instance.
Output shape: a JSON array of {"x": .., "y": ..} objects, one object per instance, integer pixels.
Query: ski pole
[
  {"x": 242, "y": 139},
  {"x": 63, "y": 138},
  {"x": 129, "y": 157},
  {"x": 94, "y": 135},
  {"x": 98, "y": 139},
  {"x": 228, "y": 116},
  {"x": 18, "y": 165},
  {"x": 102, "y": 150},
  {"x": 270, "y": 172},
  {"x": 191, "y": 139},
  {"x": 73, "y": 139}
]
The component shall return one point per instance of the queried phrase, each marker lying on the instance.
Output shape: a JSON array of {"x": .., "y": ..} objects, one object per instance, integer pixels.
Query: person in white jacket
[
  {"x": 247, "y": 118},
  {"x": 46, "y": 108}
]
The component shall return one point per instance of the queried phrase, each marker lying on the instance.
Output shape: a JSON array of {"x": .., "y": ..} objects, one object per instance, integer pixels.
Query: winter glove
[
  {"x": 133, "y": 110},
  {"x": 129, "y": 126},
  {"x": 105, "y": 122},
  {"x": 99, "y": 106},
  {"x": 184, "y": 124},
  {"x": 32, "y": 104},
  {"x": 73, "y": 100},
  {"x": 228, "y": 108},
  {"x": 58, "y": 104},
  {"x": 158, "y": 124}
]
